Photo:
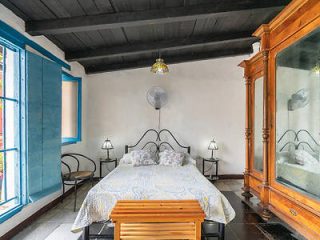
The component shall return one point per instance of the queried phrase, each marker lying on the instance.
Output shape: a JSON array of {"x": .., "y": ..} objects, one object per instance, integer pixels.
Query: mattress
[{"x": 155, "y": 182}]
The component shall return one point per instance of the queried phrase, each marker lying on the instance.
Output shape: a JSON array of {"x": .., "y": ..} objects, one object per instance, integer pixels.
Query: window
[
  {"x": 11, "y": 193},
  {"x": 71, "y": 109}
]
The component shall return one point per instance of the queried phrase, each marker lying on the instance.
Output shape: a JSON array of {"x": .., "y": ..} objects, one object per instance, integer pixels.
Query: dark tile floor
[{"x": 247, "y": 225}]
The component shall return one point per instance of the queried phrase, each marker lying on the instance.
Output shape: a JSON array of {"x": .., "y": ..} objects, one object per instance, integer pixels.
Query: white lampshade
[
  {"x": 107, "y": 144},
  {"x": 213, "y": 145}
]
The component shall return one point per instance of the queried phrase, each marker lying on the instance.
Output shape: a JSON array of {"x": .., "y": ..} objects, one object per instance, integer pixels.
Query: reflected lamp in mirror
[
  {"x": 107, "y": 145},
  {"x": 213, "y": 147},
  {"x": 316, "y": 68}
]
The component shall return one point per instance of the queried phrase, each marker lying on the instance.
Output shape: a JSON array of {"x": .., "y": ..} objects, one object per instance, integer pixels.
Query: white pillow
[
  {"x": 303, "y": 157},
  {"x": 142, "y": 158},
  {"x": 188, "y": 159},
  {"x": 171, "y": 158},
  {"x": 135, "y": 156},
  {"x": 126, "y": 159}
]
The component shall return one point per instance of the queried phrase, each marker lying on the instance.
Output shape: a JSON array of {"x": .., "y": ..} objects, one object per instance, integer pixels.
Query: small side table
[
  {"x": 106, "y": 161},
  {"x": 213, "y": 161}
]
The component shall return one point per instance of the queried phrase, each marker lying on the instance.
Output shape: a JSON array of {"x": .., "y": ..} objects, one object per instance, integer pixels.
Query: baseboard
[
  {"x": 14, "y": 231},
  {"x": 229, "y": 176}
]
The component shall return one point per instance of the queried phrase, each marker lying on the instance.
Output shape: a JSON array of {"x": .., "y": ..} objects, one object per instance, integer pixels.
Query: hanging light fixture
[
  {"x": 159, "y": 67},
  {"x": 316, "y": 68}
]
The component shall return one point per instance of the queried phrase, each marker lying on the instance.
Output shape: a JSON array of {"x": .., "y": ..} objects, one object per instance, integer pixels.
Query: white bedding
[
  {"x": 154, "y": 182},
  {"x": 303, "y": 176}
]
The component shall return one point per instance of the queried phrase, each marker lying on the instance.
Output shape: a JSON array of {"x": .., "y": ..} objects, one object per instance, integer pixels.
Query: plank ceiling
[{"x": 109, "y": 35}]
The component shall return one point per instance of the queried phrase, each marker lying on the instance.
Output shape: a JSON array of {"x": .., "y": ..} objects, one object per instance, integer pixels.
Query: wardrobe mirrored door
[
  {"x": 258, "y": 124},
  {"x": 298, "y": 115}
]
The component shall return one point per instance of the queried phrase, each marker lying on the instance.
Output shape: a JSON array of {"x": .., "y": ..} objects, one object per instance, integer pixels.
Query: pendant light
[
  {"x": 159, "y": 67},
  {"x": 316, "y": 68}
]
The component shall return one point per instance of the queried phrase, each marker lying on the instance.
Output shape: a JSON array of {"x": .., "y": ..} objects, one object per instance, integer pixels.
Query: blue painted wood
[
  {"x": 7, "y": 33},
  {"x": 71, "y": 140},
  {"x": 51, "y": 124},
  {"x": 44, "y": 126},
  {"x": 34, "y": 119}
]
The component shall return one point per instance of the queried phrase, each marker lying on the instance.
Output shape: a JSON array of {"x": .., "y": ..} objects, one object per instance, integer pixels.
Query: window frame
[
  {"x": 72, "y": 140},
  {"x": 21, "y": 147}
]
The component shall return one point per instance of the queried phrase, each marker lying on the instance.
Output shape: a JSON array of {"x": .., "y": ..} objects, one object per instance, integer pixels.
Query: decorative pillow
[
  {"x": 126, "y": 159},
  {"x": 303, "y": 157},
  {"x": 188, "y": 159},
  {"x": 142, "y": 158},
  {"x": 171, "y": 158}
]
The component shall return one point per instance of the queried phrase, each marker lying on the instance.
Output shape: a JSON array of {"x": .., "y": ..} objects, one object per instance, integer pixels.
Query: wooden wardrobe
[{"x": 283, "y": 118}]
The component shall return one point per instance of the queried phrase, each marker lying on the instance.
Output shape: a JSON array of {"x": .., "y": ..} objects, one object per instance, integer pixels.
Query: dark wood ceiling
[{"x": 109, "y": 35}]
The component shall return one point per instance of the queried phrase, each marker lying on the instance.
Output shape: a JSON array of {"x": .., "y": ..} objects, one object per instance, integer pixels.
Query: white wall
[
  {"x": 206, "y": 99},
  {"x": 76, "y": 70}
]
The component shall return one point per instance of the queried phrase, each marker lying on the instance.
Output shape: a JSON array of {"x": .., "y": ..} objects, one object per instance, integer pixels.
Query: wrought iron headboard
[
  {"x": 157, "y": 143},
  {"x": 296, "y": 142}
]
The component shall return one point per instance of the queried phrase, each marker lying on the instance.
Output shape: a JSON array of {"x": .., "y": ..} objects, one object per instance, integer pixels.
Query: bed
[
  {"x": 155, "y": 182},
  {"x": 304, "y": 177}
]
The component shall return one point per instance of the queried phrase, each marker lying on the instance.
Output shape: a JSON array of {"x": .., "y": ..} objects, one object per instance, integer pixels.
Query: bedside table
[
  {"x": 213, "y": 161},
  {"x": 106, "y": 161}
]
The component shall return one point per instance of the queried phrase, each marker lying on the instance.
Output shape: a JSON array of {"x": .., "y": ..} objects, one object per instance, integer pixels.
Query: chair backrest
[{"x": 75, "y": 157}]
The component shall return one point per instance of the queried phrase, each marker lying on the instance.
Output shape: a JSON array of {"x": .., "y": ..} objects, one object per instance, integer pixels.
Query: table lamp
[
  {"x": 213, "y": 147},
  {"x": 107, "y": 146}
]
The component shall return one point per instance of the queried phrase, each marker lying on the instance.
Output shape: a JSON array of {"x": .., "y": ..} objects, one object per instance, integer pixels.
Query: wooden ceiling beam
[
  {"x": 149, "y": 17},
  {"x": 169, "y": 60},
  {"x": 149, "y": 47}
]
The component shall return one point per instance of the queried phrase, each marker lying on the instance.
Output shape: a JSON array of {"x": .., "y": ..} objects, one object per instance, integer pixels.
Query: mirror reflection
[
  {"x": 258, "y": 120},
  {"x": 298, "y": 115}
]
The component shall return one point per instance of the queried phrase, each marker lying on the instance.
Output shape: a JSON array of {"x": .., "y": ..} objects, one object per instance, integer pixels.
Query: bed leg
[
  {"x": 221, "y": 231},
  {"x": 85, "y": 234}
]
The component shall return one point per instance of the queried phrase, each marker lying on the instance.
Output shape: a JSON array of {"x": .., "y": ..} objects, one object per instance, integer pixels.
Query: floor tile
[
  {"x": 37, "y": 231},
  {"x": 245, "y": 231}
]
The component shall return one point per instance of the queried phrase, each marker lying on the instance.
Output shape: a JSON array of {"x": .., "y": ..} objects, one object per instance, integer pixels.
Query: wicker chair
[{"x": 76, "y": 178}]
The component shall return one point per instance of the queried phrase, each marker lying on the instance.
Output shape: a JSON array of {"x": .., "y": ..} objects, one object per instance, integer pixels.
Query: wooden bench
[{"x": 157, "y": 219}]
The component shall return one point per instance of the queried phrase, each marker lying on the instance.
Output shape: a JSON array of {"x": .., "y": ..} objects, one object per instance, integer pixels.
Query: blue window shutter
[
  {"x": 34, "y": 127},
  {"x": 51, "y": 108},
  {"x": 44, "y": 126}
]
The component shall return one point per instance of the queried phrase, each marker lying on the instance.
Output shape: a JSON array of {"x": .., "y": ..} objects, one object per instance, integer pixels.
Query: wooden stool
[{"x": 157, "y": 219}]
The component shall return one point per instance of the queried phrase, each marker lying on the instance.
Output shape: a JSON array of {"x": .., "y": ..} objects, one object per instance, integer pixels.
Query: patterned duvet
[{"x": 154, "y": 182}]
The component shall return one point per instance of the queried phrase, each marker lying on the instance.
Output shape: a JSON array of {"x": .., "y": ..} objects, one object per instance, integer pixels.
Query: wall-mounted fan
[
  {"x": 299, "y": 99},
  {"x": 157, "y": 97}
]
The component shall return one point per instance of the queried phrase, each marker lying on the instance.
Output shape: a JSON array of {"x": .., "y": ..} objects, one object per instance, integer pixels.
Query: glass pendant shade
[
  {"x": 213, "y": 145},
  {"x": 159, "y": 67},
  {"x": 107, "y": 145}
]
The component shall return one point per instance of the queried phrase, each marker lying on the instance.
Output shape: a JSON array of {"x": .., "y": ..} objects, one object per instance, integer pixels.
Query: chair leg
[
  {"x": 75, "y": 195},
  {"x": 91, "y": 179}
]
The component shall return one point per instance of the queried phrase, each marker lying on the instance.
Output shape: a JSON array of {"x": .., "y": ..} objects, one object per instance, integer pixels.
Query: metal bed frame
[
  {"x": 158, "y": 144},
  {"x": 296, "y": 142}
]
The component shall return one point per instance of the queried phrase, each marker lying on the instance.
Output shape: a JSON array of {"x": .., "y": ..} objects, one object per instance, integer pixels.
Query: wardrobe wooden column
[
  {"x": 264, "y": 33},
  {"x": 248, "y": 129}
]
